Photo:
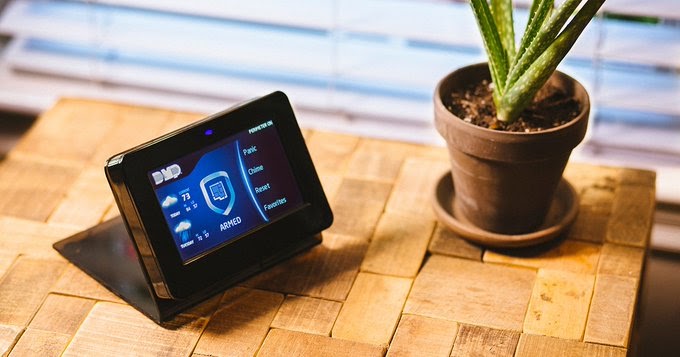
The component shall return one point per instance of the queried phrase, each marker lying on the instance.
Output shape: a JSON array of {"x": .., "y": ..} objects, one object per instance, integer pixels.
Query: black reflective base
[{"x": 106, "y": 252}]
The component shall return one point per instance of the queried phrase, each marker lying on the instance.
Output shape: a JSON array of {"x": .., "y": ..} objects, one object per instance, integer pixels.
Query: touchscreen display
[{"x": 217, "y": 194}]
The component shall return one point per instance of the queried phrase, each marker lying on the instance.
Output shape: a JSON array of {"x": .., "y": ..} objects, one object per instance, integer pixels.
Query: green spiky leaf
[
  {"x": 519, "y": 73},
  {"x": 520, "y": 94},
  {"x": 502, "y": 15},
  {"x": 498, "y": 61},
  {"x": 538, "y": 16},
  {"x": 545, "y": 34}
]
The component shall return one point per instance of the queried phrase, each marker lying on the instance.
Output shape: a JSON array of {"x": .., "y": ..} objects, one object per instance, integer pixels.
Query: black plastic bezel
[{"x": 182, "y": 280}]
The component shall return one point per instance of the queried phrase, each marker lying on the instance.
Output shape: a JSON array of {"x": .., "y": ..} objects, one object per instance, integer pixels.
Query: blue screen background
[{"x": 215, "y": 195}]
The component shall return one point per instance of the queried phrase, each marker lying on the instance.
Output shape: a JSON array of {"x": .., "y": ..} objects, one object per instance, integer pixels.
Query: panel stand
[{"x": 107, "y": 253}]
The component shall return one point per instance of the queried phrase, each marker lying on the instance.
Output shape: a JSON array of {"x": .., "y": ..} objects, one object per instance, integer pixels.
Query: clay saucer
[{"x": 561, "y": 214}]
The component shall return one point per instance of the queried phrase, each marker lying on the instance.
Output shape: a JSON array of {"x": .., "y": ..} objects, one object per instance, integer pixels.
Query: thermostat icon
[{"x": 218, "y": 192}]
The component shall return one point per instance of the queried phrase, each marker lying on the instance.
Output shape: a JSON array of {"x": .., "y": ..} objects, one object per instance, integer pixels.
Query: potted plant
[{"x": 510, "y": 124}]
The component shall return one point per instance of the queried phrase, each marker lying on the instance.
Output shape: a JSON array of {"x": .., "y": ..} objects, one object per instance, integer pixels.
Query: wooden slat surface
[
  {"x": 31, "y": 238},
  {"x": 371, "y": 312},
  {"x": 471, "y": 292},
  {"x": 398, "y": 245},
  {"x": 62, "y": 314},
  {"x": 240, "y": 324},
  {"x": 484, "y": 341},
  {"x": 357, "y": 206},
  {"x": 567, "y": 255},
  {"x": 111, "y": 329},
  {"x": 76, "y": 283},
  {"x": 305, "y": 314},
  {"x": 559, "y": 304},
  {"x": 620, "y": 260},
  {"x": 423, "y": 336},
  {"x": 6, "y": 260},
  {"x": 24, "y": 287},
  {"x": 327, "y": 271},
  {"x": 387, "y": 278},
  {"x": 542, "y": 346},
  {"x": 41, "y": 343},
  {"x": 286, "y": 343},
  {"x": 8, "y": 337},
  {"x": 32, "y": 189},
  {"x": 632, "y": 215},
  {"x": 611, "y": 311},
  {"x": 71, "y": 121},
  {"x": 411, "y": 192},
  {"x": 53, "y": 326},
  {"x": 89, "y": 190},
  {"x": 446, "y": 242}
]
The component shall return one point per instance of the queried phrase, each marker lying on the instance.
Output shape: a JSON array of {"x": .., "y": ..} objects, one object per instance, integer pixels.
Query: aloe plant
[{"x": 518, "y": 72}]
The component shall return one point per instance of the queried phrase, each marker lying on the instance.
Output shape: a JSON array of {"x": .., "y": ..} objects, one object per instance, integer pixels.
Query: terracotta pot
[{"x": 505, "y": 181}]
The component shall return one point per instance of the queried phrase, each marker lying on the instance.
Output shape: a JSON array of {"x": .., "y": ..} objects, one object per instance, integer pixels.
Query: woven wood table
[{"x": 388, "y": 279}]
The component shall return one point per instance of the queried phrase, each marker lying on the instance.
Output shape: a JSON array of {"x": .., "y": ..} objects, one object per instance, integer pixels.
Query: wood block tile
[
  {"x": 331, "y": 185},
  {"x": 331, "y": 152},
  {"x": 378, "y": 160},
  {"x": 286, "y": 343},
  {"x": 8, "y": 337},
  {"x": 112, "y": 328},
  {"x": 357, "y": 206},
  {"x": 446, "y": 242},
  {"x": 434, "y": 152},
  {"x": 484, "y": 342},
  {"x": 632, "y": 216},
  {"x": 41, "y": 343},
  {"x": 593, "y": 215},
  {"x": 205, "y": 308},
  {"x": 567, "y": 255},
  {"x": 398, "y": 245},
  {"x": 87, "y": 200},
  {"x": 412, "y": 193},
  {"x": 582, "y": 176},
  {"x": 61, "y": 314},
  {"x": 611, "y": 311},
  {"x": 305, "y": 314},
  {"x": 589, "y": 226},
  {"x": 621, "y": 260},
  {"x": 559, "y": 304},
  {"x": 241, "y": 323},
  {"x": 24, "y": 288},
  {"x": 472, "y": 292},
  {"x": 177, "y": 120},
  {"x": 75, "y": 282},
  {"x": 73, "y": 129},
  {"x": 542, "y": 346},
  {"x": 33, "y": 190},
  {"x": 423, "y": 336},
  {"x": 133, "y": 126},
  {"x": 31, "y": 238},
  {"x": 327, "y": 271},
  {"x": 637, "y": 177},
  {"x": 372, "y": 309},
  {"x": 598, "y": 197},
  {"x": 6, "y": 260}
]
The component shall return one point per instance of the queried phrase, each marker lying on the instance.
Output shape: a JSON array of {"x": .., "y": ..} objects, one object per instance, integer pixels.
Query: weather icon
[
  {"x": 182, "y": 229},
  {"x": 169, "y": 201}
]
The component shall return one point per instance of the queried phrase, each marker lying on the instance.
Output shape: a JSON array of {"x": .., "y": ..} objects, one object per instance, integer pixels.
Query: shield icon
[{"x": 218, "y": 192}]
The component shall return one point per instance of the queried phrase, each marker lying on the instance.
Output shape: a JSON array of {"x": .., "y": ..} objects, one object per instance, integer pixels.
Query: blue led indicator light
[{"x": 208, "y": 132}]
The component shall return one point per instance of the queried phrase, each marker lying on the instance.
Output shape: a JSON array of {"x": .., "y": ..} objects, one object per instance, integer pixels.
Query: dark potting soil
[{"x": 550, "y": 108}]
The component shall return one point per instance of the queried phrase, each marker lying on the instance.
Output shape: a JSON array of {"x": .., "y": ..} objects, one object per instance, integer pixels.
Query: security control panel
[{"x": 221, "y": 198}]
